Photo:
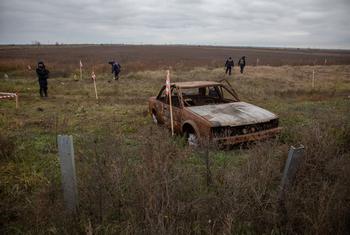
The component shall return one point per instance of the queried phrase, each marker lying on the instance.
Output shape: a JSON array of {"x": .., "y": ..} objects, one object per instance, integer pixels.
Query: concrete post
[
  {"x": 290, "y": 169},
  {"x": 66, "y": 156}
]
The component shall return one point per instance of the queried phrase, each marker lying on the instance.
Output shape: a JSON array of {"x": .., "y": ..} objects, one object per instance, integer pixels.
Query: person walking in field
[
  {"x": 116, "y": 68},
  {"x": 241, "y": 63},
  {"x": 229, "y": 65},
  {"x": 43, "y": 75}
]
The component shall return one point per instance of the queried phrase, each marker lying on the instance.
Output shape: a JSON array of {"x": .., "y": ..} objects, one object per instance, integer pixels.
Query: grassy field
[{"x": 133, "y": 177}]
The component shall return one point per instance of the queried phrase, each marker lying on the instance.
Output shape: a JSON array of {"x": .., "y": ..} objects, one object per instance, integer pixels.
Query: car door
[{"x": 176, "y": 108}]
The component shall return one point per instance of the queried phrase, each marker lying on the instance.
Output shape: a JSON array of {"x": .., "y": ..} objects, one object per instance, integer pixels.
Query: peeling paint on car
[
  {"x": 233, "y": 114},
  {"x": 223, "y": 120}
]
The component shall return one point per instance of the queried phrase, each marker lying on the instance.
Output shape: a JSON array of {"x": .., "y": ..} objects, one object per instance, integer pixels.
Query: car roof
[{"x": 195, "y": 84}]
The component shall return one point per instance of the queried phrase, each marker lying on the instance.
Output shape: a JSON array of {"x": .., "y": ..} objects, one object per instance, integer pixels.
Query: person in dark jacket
[
  {"x": 116, "y": 68},
  {"x": 43, "y": 75},
  {"x": 241, "y": 63},
  {"x": 229, "y": 64}
]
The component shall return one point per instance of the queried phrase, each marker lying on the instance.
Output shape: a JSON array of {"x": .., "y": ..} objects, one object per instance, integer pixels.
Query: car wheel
[{"x": 154, "y": 118}]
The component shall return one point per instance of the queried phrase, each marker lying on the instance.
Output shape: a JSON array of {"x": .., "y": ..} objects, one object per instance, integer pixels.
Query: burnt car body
[{"x": 212, "y": 110}]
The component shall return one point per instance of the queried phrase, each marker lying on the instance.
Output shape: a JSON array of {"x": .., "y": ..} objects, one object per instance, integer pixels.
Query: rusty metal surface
[
  {"x": 249, "y": 137},
  {"x": 195, "y": 84},
  {"x": 204, "y": 118},
  {"x": 233, "y": 114},
  {"x": 229, "y": 86}
]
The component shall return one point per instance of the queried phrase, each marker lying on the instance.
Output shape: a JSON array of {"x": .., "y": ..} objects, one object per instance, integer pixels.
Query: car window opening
[
  {"x": 206, "y": 96},
  {"x": 174, "y": 97},
  {"x": 198, "y": 96}
]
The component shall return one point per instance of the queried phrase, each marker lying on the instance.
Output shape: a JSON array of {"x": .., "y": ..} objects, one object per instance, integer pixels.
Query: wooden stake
[
  {"x": 95, "y": 89},
  {"x": 16, "y": 101},
  {"x": 93, "y": 76},
  {"x": 313, "y": 79},
  {"x": 257, "y": 61},
  {"x": 170, "y": 104},
  {"x": 81, "y": 70}
]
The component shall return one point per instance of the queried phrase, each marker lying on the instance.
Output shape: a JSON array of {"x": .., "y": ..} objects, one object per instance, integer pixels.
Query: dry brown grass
[
  {"x": 64, "y": 60},
  {"x": 134, "y": 178}
]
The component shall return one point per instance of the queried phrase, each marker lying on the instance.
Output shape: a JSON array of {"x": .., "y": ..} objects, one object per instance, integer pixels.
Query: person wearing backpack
[
  {"x": 241, "y": 63},
  {"x": 229, "y": 64},
  {"x": 116, "y": 68},
  {"x": 43, "y": 75}
]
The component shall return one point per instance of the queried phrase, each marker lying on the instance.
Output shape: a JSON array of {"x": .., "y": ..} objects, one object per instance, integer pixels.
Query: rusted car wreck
[{"x": 212, "y": 110}]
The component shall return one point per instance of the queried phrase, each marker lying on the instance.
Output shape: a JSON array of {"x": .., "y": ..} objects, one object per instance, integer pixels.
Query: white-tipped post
[
  {"x": 93, "y": 76},
  {"x": 170, "y": 101},
  {"x": 16, "y": 101},
  {"x": 81, "y": 70}
]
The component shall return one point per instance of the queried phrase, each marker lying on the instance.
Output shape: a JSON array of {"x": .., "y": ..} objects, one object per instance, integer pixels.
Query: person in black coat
[
  {"x": 229, "y": 64},
  {"x": 241, "y": 63},
  {"x": 43, "y": 75},
  {"x": 116, "y": 68}
]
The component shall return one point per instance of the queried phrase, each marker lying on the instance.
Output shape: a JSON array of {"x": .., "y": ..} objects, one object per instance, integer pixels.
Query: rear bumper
[{"x": 261, "y": 135}]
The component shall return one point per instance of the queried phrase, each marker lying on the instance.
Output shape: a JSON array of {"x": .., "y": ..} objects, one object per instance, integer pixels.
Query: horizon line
[{"x": 167, "y": 44}]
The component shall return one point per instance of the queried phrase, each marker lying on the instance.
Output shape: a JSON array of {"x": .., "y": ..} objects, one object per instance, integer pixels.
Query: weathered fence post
[
  {"x": 290, "y": 169},
  {"x": 66, "y": 155},
  {"x": 294, "y": 156}
]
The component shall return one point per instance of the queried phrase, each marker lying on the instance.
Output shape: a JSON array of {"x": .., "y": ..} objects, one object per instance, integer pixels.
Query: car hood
[{"x": 233, "y": 114}]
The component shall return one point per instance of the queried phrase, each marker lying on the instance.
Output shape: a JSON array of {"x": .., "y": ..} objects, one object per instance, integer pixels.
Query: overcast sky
[{"x": 282, "y": 23}]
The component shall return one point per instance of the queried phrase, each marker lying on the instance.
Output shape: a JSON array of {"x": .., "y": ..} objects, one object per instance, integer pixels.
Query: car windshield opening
[{"x": 206, "y": 95}]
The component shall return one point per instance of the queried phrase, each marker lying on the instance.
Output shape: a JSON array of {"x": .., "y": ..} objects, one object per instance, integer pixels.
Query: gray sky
[{"x": 282, "y": 23}]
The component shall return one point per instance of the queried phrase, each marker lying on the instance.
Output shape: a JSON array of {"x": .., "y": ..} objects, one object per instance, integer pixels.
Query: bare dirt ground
[{"x": 148, "y": 57}]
